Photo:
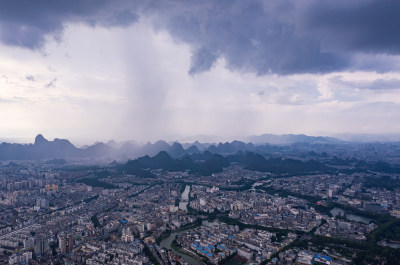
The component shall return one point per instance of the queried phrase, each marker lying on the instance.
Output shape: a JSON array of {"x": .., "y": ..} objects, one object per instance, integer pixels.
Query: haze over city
[{"x": 149, "y": 70}]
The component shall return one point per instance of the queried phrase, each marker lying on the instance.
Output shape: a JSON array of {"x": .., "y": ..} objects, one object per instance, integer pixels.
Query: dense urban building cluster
[{"x": 79, "y": 214}]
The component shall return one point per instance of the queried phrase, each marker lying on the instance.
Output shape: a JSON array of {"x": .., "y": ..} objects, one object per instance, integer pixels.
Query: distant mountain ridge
[
  {"x": 286, "y": 139},
  {"x": 43, "y": 149},
  {"x": 62, "y": 148},
  {"x": 214, "y": 163}
]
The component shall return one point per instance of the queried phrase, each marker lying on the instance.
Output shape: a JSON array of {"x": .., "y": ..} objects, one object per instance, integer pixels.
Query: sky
[{"x": 179, "y": 69}]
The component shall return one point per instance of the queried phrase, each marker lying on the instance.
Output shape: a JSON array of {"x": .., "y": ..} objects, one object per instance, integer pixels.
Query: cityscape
[{"x": 208, "y": 204}]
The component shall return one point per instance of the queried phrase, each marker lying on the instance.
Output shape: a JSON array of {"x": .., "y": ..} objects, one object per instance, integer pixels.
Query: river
[
  {"x": 166, "y": 243},
  {"x": 184, "y": 199},
  {"x": 256, "y": 184},
  {"x": 351, "y": 217},
  {"x": 389, "y": 244}
]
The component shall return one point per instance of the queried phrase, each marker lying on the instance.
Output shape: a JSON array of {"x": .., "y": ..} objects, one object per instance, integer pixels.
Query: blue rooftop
[{"x": 323, "y": 257}]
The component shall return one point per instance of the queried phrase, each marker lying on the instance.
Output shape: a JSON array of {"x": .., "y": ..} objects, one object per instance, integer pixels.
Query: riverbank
[
  {"x": 167, "y": 243},
  {"x": 189, "y": 226},
  {"x": 175, "y": 246}
]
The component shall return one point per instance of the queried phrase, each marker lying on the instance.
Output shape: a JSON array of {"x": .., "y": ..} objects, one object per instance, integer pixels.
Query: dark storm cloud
[
  {"x": 27, "y": 23},
  {"x": 363, "y": 26},
  {"x": 276, "y": 36},
  {"x": 253, "y": 36},
  {"x": 202, "y": 60}
]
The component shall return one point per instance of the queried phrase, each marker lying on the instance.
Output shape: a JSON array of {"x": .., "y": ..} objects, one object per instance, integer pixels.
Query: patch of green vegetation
[
  {"x": 383, "y": 182},
  {"x": 163, "y": 161},
  {"x": 91, "y": 199},
  {"x": 311, "y": 199},
  {"x": 235, "y": 260},
  {"x": 150, "y": 255},
  {"x": 241, "y": 185},
  {"x": 95, "y": 221},
  {"x": 102, "y": 173},
  {"x": 94, "y": 182},
  {"x": 278, "y": 231},
  {"x": 75, "y": 168}
]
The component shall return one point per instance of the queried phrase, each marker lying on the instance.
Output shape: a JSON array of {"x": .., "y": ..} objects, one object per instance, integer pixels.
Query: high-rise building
[
  {"x": 43, "y": 203},
  {"x": 41, "y": 245},
  {"x": 29, "y": 242},
  {"x": 127, "y": 235},
  {"x": 70, "y": 242},
  {"x": 62, "y": 244}
]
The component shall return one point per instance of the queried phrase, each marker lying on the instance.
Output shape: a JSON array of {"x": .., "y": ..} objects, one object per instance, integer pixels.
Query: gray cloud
[
  {"x": 252, "y": 36},
  {"x": 358, "y": 25},
  {"x": 28, "y": 23},
  {"x": 30, "y": 78},
  {"x": 378, "y": 84},
  {"x": 5, "y": 78},
  {"x": 283, "y": 37},
  {"x": 52, "y": 83},
  {"x": 202, "y": 60}
]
